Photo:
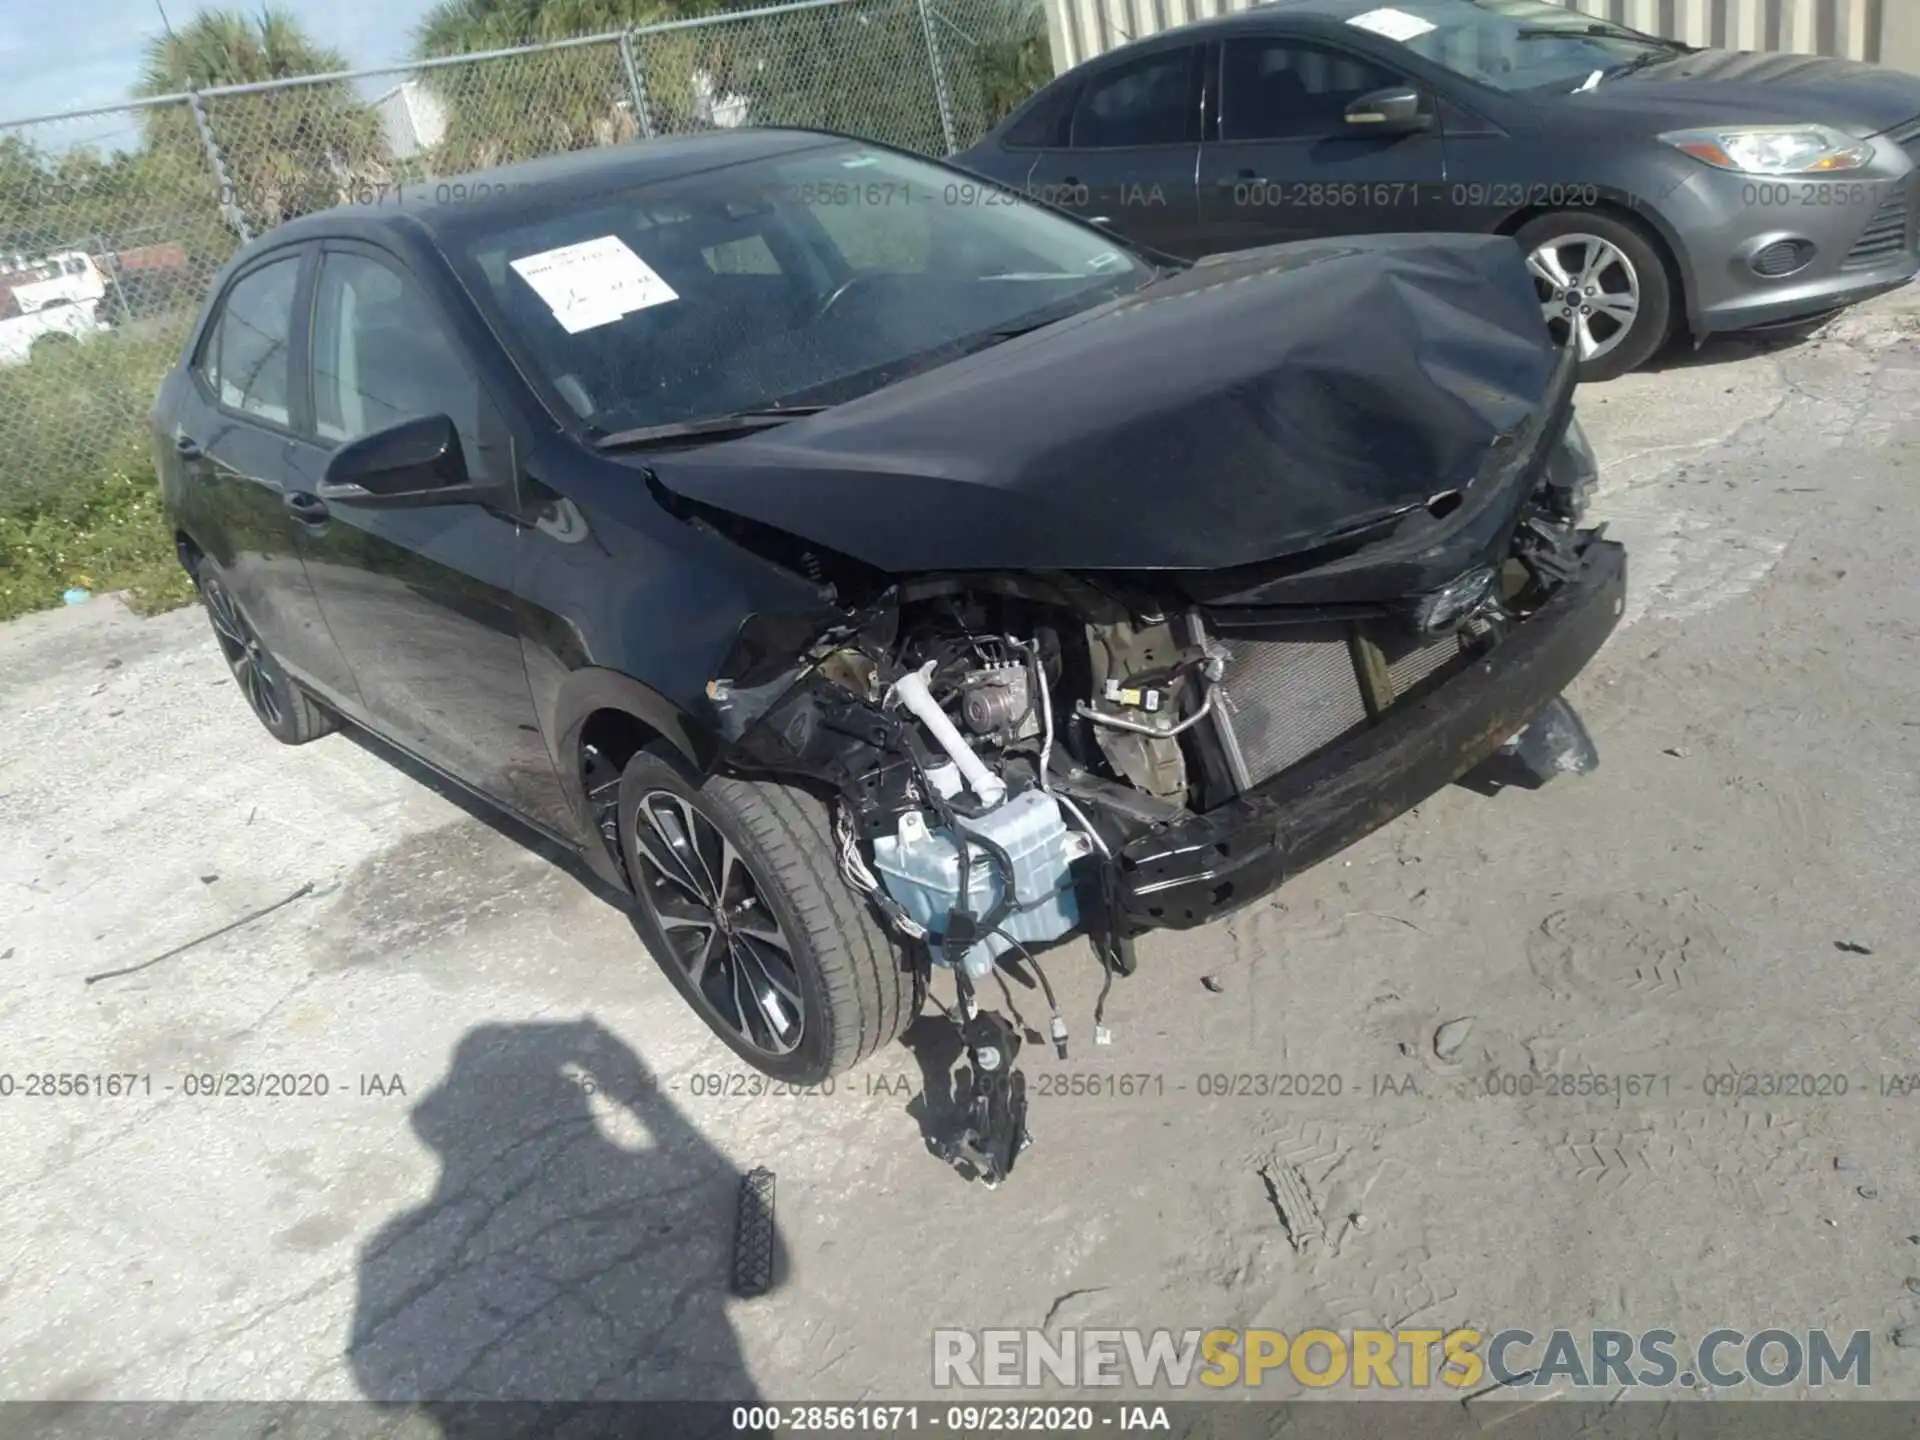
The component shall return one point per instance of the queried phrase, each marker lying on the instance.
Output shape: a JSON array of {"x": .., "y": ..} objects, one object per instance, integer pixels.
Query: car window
[
  {"x": 1514, "y": 45},
  {"x": 248, "y": 361},
  {"x": 1045, "y": 123},
  {"x": 1279, "y": 89},
  {"x": 805, "y": 277},
  {"x": 1154, "y": 100},
  {"x": 381, "y": 355},
  {"x": 749, "y": 255},
  {"x": 900, "y": 242}
]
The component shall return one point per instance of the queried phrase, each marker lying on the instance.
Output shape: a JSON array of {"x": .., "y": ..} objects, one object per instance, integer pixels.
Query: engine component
[
  {"x": 994, "y": 1128},
  {"x": 1140, "y": 742},
  {"x": 920, "y": 867},
  {"x": 1149, "y": 697},
  {"x": 911, "y": 690},
  {"x": 998, "y": 702},
  {"x": 1162, "y": 728}
]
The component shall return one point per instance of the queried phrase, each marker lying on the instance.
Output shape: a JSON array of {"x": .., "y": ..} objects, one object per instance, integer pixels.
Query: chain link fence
[{"x": 112, "y": 222}]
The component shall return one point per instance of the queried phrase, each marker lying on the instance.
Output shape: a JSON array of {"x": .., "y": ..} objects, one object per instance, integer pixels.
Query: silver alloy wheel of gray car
[
  {"x": 1589, "y": 292},
  {"x": 714, "y": 914},
  {"x": 245, "y": 656}
]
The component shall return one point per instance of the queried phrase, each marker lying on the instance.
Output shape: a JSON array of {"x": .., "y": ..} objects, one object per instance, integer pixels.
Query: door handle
[
  {"x": 187, "y": 448},
  {"x": 307, "y": 509}
]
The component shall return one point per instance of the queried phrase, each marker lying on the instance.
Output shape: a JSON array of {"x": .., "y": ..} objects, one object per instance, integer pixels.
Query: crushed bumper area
[{"x": 1196, "y": 871}]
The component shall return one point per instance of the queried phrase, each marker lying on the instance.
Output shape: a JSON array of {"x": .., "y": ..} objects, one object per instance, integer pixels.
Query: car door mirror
[
  {"x": 1397, "y": 110},
  {"x": 416, "y": 462}
]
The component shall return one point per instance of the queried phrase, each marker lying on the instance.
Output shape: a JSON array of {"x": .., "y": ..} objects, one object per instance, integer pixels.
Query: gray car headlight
[{"x": 1774, "y": 149}]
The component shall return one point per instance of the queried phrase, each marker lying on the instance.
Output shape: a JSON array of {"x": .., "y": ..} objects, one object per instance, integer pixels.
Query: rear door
[
  {"x": 1132, "y": 146},
  {"x": 1284, "y": 164},
  {"x": 231, "y": 439},
  {"x": 421, "y": 599}
]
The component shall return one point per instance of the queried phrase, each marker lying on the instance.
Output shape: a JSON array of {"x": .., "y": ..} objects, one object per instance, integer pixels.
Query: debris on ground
[
  {"x": 753, "y": 1233},
  {"x": 246, "y": 919},
  {"x": 1287, "y": 1190},
  {"x": 1213, "y": 983},
  {"x": 1850, "y": 947},
  {"x": 1448, "y": 1039}
]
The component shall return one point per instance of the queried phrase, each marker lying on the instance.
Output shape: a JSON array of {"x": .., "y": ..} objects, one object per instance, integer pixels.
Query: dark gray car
[{"x": 1656, "y": 187}]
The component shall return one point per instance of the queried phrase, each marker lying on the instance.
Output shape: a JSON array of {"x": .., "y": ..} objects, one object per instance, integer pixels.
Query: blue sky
[{"x": 74, "y": 54}]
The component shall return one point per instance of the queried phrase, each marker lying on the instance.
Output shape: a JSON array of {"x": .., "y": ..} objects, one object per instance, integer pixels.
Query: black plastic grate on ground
[{"x": 753, "y": 1232}]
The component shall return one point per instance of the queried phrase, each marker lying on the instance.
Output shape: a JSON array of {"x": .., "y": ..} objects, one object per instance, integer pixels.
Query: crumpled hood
[{"x": 1245, "y": 409}]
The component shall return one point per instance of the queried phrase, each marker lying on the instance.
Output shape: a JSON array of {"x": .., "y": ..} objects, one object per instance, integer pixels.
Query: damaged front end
[
  {"x": 1017, "y": 757},
  {"x": 1018, "y": 754}
]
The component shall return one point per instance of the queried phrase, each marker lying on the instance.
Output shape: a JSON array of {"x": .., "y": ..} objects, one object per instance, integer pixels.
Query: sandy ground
[{"x": 1732, "y": 892}]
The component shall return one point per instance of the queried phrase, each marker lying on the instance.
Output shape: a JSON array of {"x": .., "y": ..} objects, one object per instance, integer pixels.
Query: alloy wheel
[
  {"x": 1589, "y": 292},
  {"x": 719, "y": 929},
  {"x": 246, "y": 656}
]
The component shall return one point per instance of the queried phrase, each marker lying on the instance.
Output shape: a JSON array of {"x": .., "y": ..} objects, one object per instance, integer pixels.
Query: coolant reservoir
[{"x": 920, "y": 866}]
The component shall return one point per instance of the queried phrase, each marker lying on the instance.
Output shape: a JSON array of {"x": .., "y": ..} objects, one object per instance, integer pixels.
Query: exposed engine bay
[{"x": 999, "y": 741}]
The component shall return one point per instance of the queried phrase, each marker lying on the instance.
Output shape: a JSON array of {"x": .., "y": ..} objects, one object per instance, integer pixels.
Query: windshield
[
  {"x": 805, "y": 278},
  {"x": 1513, "y": 44}
]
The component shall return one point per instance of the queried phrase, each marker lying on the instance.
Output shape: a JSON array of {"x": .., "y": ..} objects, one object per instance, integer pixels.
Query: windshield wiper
[
  {"x": 709, "y": 427},
  {"x": 1600, "y": 32},
  {"x": 1646, "y": 61}
]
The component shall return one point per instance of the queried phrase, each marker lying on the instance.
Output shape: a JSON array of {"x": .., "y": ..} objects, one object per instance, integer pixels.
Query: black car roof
[{"x": 447, "y": 202}]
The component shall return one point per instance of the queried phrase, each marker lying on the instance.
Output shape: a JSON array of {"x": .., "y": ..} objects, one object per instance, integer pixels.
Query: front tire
[
  {"x": 1603, "y": 288},
  {"x": 289, "y": 714},
  {"x": 740, "y": 899}
]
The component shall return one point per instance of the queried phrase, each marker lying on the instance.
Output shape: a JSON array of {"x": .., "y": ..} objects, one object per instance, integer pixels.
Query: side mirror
[
  {"x": 417, "y": 462},
  {"x": 1397, "y": 110}
]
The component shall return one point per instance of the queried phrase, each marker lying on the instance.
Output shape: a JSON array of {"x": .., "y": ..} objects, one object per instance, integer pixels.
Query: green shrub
[{"x": 79, "y": 501}]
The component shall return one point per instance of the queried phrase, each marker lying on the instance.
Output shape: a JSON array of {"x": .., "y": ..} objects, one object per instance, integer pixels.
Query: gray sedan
[{"x": 1657, "y": 188}]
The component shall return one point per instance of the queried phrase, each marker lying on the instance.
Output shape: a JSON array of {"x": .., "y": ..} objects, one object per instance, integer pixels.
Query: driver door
[
  {"x": 1131, "y": 148},
  {"x": 1285, "y": 164},
  {"x": 420, "y": 599}
]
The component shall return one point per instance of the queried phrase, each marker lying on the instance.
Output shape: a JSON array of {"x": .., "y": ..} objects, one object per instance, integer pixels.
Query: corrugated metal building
[{"x": 1885, "y": 32}]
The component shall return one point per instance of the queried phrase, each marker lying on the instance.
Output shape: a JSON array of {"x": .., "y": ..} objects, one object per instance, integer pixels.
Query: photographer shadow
[{"x": 576, "y": 1250}]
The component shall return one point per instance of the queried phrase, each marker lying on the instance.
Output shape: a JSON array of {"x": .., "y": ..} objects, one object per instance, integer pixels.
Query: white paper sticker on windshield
[
  {"x": 1394, "y": 24},
  {"x": 593, "y": 283}
]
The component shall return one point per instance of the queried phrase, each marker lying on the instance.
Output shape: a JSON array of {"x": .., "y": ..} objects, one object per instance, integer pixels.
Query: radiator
[{"x": 1287, "y": 698}]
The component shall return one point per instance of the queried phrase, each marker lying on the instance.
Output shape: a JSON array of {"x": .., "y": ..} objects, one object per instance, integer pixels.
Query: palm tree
[
  {"x": 459, "y": 27},
  {"x": 228, "y": 47},
  {"x": 540, "y": 103},
  {"x": 286, "y": 151}
]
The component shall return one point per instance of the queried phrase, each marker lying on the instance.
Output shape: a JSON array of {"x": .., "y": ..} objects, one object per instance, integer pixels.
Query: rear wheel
[
  {"x": 290, "y": 715},
  {"x": 1603, "y": 289},
  {"x": 741, "y": 901}
]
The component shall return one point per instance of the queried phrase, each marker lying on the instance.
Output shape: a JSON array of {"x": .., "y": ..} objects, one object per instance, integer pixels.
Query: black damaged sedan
[{"x": 872, "y": 575}]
